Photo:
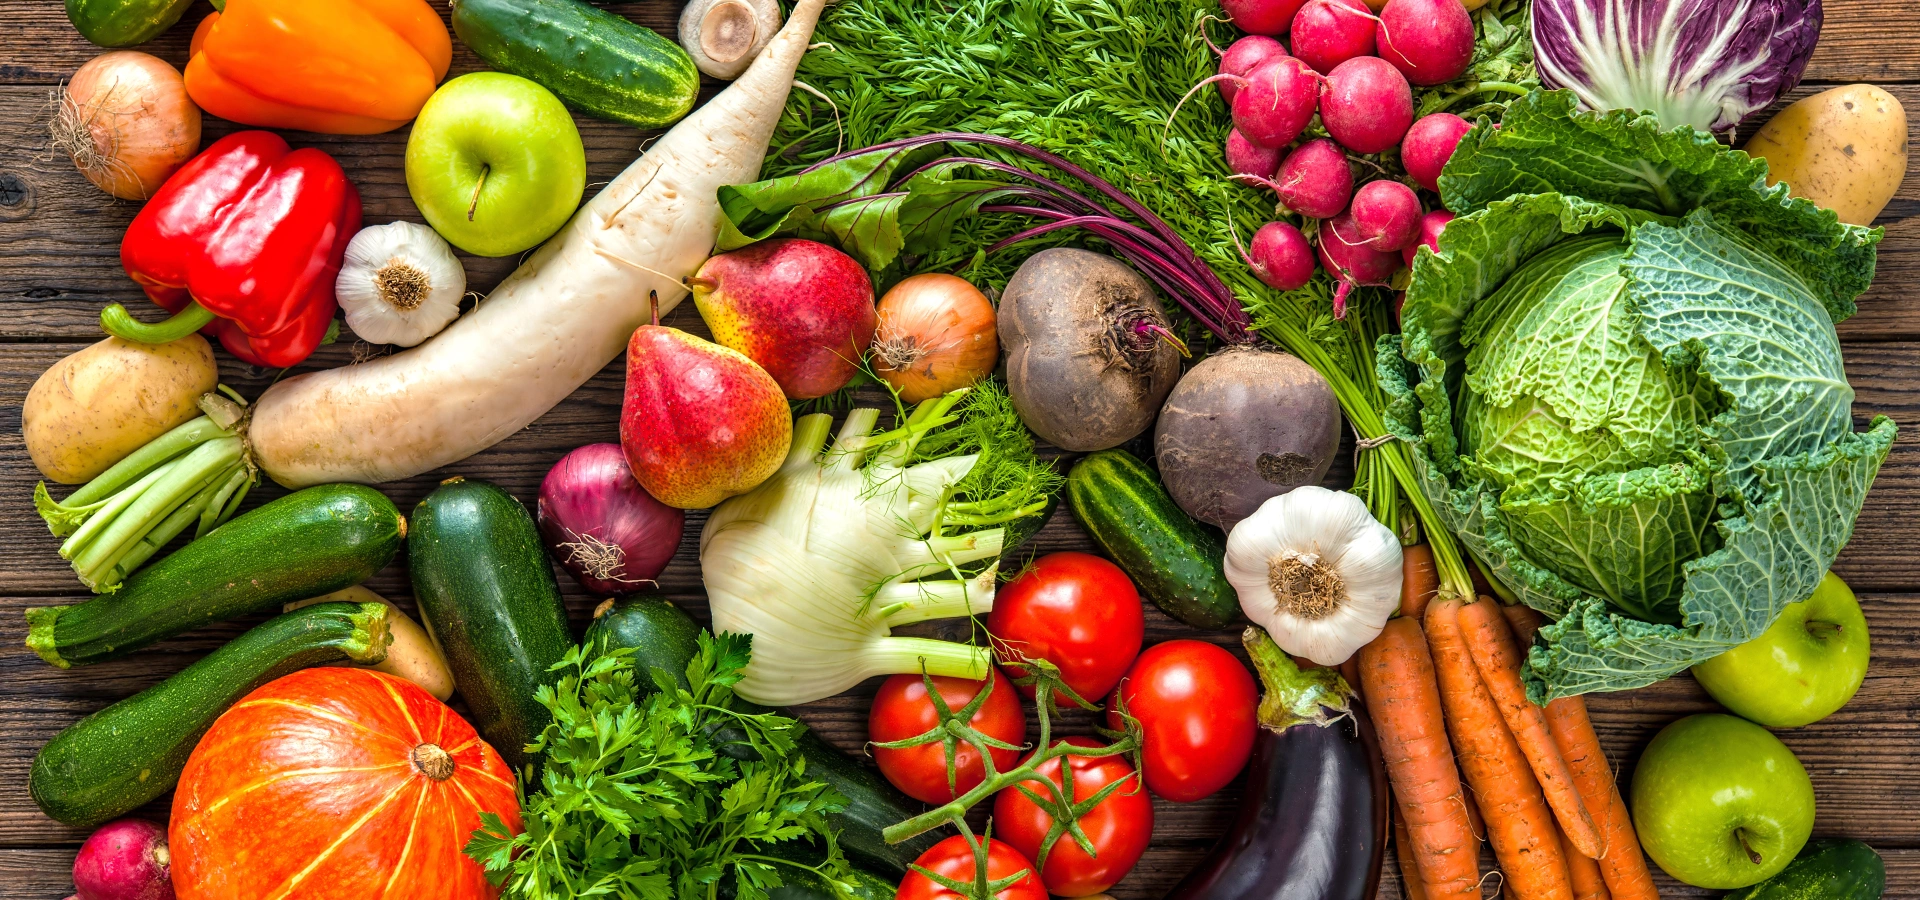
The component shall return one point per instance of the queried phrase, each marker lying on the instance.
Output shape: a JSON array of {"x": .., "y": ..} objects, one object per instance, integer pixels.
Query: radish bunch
[{"x": 1355, "y": 69}]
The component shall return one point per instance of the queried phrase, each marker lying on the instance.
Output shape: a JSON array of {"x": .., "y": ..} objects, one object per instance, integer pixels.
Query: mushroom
[{"x": 723, "y": 36}]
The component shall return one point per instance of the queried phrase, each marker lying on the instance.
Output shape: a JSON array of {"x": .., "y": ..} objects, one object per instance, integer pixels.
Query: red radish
[
  {"x": 1281, "y": 257},
  {"x": 1248, "y": 159},
  {"x": 1243, "y": 56},
  {"x": 124, "y": 860},
  {"x": 1386, "y": 215},
  {"x": 1429, "y": 41},
  {"x": 1327, "y": 33},
  {"x": 1429, "y": 144},
  {"x": 1315, "y": 180},
  {"x": 1275, "y": 101},
  {"x": 1368, "y": 105},
  {"x": 1431, "y": 225},
  {"x": 1261, "y": 17},
  {"x": 1351, "y": 262}
]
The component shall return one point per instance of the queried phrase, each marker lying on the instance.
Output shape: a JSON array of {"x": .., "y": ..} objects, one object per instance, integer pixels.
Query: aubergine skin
[
  {"x": 1087, "y": 367},
  {"x": 1313, "y": 824},
  {"x": 1244, "y": 426}
]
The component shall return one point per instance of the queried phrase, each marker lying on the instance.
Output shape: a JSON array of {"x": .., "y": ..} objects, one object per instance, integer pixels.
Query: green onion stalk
[{"x": 196, "y": 474}]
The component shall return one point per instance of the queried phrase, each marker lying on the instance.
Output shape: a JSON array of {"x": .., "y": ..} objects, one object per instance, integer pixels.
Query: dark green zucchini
[
  {"x": 1824, "y": 870},
  {"x": 114, "y": 761},
  {"x": 305, "y": 544},
  {"x": 666, "y": 637},
  {"x": 1176, "y": 561},
  {"x": 487, "y": 593},
  {"x": 596, "y": 61},
  {"x": 124, "y": 23}
]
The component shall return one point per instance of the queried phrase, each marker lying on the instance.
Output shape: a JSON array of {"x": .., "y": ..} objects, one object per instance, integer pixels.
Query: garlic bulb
[
  {"x": 1315, "y": 569},
  {"x": 400, "y": 284}
]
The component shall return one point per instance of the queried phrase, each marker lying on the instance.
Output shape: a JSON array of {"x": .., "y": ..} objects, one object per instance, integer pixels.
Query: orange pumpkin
[{"x": 336, "y": 784}]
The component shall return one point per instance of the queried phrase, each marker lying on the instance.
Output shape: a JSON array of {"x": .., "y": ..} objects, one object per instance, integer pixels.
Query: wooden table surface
[{"x": 59, "y": 264}]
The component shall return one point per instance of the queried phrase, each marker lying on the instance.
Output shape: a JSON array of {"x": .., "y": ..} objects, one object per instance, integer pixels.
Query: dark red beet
[
  {"x": 1243, "y": 56},
  {"x": 1429, "y": 144},
  {"x": 1281, "y": 257},
  {"x": 1367, "y": 105},
  {"x": 1327, "y": 33},
  {"x": 1262, "y": 17},
  {"x": 1245, "y": 157},
  {"x": 1431, "y": 225},
  {"x": 1429, "y": 41},
  {"x": 1350, "y": 262},
  {"x": 1276, "y": 101},
  {"x": 1315, "y": 180},
  {"x": 1386, "y": 215}
]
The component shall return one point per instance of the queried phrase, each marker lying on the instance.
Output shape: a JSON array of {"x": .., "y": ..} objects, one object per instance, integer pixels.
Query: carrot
[
  {"x": 1583, "y": 872},
  {"x": 1519, "y": 823},
  {"x": 1419, "y": 580},
  {"x": 1403, "y": 700},
  {"x": 1491, "y": 644},
  {"x": 1525, "y": 621},
  {"x": 1623, "y": 866},
  {"x": 1410, "y": 885},
  {"x": 1474, "y": 821}
]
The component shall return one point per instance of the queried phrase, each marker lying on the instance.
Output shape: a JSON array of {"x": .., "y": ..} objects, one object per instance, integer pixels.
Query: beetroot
[
  {"x": 1261, "y": 17},
  {"x": 1276, "y": 102},
  {"x": 1429, "y": 41},
  {"x": 1386, "y": 215},
  {"x": 1248, "y": 159},
  {"x": 1327, "y": 33},
  {"x": 1243, "y": 56},
  {"x": 1281, "y": 257},
  {"x": 124, "y": 860},
  {"x": 1315, "y": 180},
  {"x": 1431, "y": 225},
  {"x": 1350, "y": 262},
  {"x": 1429, "y": 144},
  {"x": 1367, "y": 105}
]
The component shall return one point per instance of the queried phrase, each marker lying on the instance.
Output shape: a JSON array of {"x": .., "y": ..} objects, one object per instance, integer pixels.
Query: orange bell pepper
[{"x": 332, "y": 66}]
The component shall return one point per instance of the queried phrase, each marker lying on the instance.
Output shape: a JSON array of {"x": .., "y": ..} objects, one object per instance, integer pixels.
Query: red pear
[
  {"x": 700, "y": 423},
  {"x": 799, "y": 308}
]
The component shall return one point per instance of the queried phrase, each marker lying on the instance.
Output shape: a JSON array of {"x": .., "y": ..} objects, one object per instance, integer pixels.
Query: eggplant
[{"x": 1313, "y": 821}]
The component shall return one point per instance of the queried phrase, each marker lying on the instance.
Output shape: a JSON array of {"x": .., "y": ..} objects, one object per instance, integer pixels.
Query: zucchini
[
  {"x": 114, "y": 761},
  {"x": 1175, "y": 560},
  {"x": 124, "y": 23},
  {"x": 665, "y": 637},
  {"x": 596, "y": 61},
  {"x": 1825, "y": 870},
  {"x": 487, "y": 593},
  {"x": 305, "y": 544}
]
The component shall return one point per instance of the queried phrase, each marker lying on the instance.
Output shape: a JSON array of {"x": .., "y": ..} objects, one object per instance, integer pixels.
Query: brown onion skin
[
  {"x": 590, "y": 491},
  {"x": 126, "y": 118},
  {"x": 952, "y": 323}
]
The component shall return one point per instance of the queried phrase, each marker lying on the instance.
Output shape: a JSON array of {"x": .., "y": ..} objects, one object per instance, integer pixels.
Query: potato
[
  {"x": 102, "y": 403},
  {"x": 1845, "y": 149}
]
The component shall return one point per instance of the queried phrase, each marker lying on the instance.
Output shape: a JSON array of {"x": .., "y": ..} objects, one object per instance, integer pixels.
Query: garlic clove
[{"x": 399, "y": 284}]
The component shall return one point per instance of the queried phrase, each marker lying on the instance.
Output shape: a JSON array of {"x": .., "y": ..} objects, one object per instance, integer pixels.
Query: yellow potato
[
  {"x": 106, "y": 401},
  {"x": 1845, "y": 149},
  {"x": 413, "y": 655}
]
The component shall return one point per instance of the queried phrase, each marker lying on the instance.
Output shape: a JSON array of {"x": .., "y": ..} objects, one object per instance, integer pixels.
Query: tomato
[
  {"x": 1197, "y": 706},
  {"x": 953, "y": 858},
  {"x": 902, "y": 710},
  {"x": 1119, "y": 827},
  {"x": 1075, "y": 610}
]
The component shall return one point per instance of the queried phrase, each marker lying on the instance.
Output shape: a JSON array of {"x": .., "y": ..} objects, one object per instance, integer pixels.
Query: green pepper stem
[{"x": 116, "y": 321}]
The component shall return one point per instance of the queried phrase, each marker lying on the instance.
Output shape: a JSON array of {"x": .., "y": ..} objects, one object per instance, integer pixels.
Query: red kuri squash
[{"x": 336, "y": 783}]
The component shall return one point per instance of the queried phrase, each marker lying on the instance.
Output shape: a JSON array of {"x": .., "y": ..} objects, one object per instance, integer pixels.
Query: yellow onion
[
  {"x": 936, "y": 334},
  {"x": 126, "y": 120}
]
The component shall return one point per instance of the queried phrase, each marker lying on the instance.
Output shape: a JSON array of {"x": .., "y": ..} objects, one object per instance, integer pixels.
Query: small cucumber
[
  {"x": 305, "y": 544},
  {"x": 596, "y": 61},
  {"x": 1175, "y": 560},
  {"x": 124, "y": 23},
  {"x": 1824, "y": 870},
  {"x": 487, "y": 593},
  {"x": 112, "y": 762},
  {"x": 660, "y": 634}
]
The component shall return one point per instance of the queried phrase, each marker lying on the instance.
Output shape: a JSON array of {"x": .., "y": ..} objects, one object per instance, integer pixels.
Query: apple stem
[
  {"x": 475, "y": 205},
  {"x": 1740, "y": 834},
  {"x": 1822, "y": 630}
]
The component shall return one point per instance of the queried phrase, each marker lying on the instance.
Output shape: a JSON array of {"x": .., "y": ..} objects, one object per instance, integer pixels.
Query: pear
[
  {"x": 700, "y": 422},
  {"x": 799, "y": 308}
]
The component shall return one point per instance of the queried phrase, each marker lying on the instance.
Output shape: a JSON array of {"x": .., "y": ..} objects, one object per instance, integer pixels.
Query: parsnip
[{"x": 563, "y": 316}]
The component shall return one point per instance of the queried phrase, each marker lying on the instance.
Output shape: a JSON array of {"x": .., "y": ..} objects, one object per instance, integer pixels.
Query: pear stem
[
  {"x": 653, "y": 300},
  {"x": 474, "y": 206}
]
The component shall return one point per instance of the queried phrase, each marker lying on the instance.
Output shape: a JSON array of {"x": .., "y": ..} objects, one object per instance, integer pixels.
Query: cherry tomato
[
  {"x": 1075, "y": 610},
  {"x": 1197, "y": 707},
  {"x": 1119, "y": 827},
  {"x": 902, "y": 710},
  {"x": 953, "y": 858}
]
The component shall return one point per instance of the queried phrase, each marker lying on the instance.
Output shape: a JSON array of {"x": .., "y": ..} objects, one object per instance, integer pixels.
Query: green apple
[
  {"x": 1808, "y": 664},
  {"x": 495, "y": 163},
  {"x": 1720, "y": 803}
]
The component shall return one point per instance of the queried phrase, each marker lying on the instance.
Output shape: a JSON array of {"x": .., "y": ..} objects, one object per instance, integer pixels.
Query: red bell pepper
[{"x": 244, "y": 241}]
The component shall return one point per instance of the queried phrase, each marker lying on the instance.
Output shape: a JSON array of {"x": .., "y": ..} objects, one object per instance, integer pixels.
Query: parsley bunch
[{"x": 650, "y": 790}]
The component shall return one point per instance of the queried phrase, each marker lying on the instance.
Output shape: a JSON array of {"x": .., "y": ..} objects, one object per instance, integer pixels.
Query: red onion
[
  {"x": 124, "y": 860},
  {"x": 603, "y": 527}
]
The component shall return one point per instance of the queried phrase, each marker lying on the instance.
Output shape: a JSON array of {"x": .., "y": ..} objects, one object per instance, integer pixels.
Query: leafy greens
[{"x": 1630, "y": 400}]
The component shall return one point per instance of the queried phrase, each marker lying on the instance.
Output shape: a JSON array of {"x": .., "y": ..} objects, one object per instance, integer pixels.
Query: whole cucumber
[
  {"x": 596, "y": 61},
  {"x": 124, "y": 23},
  {"x": 305, "y": 544},
  {"x": 114, "y": 761},
  {"x": 1176, "y": 561},
  {"x": 487, "y": 593}
]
